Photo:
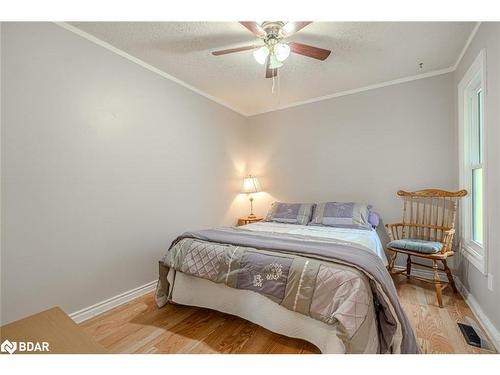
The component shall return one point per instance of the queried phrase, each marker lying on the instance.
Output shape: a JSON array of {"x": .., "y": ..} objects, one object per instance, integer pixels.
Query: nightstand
[{"x": 248, "y": 220}]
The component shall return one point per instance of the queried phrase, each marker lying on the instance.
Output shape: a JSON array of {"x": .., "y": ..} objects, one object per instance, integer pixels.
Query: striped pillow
[
  {"x": 292, "y": 213},
  {"x": 338, "y": 214}
]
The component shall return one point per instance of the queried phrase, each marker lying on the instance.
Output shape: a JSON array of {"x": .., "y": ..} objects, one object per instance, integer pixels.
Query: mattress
[{"x": 369, "y": 239}]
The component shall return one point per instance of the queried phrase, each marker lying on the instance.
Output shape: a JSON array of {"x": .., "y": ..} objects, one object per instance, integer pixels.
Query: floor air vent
[
  {"x": 470, "y": 335},
  {"x": 474, "y": 335}
]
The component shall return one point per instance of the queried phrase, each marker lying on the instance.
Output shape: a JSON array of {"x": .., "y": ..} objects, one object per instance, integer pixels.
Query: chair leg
[
  {"x": 390, "y": 267},
  {"x": 450, "y": 276},
  {"x": 408, "y": 267},
  {"x": 437, "y": 283}
]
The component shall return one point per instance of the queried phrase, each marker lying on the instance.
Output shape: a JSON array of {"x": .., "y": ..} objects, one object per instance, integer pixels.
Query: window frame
[{"x": 470, "y": 158}]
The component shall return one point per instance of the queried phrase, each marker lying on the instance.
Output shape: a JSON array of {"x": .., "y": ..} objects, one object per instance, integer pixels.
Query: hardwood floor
[
  {"x": 435, "y": 328},
  {"x": 140, "y": 327}
]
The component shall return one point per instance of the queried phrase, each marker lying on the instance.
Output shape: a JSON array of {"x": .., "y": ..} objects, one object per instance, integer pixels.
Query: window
[
  {"x": 476, "y": 123},
  {"x": 471, "y": 92}
]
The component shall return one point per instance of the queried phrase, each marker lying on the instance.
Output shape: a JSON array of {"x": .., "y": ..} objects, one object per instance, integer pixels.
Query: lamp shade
[
  {"x": 274, "y": 63},
  {"x": 260, "y": 55},
  {"x": 251, "y": 185},
  {"x": 282, "y": 51}
]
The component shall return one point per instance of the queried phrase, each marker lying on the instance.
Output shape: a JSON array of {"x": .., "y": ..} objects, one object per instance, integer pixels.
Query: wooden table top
[
  {"x": 249, "y": 220},
  {"x": 56, "y": 328}
]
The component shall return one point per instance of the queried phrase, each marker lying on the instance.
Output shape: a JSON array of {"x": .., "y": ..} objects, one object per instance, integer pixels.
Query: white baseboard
[
  {"x": 476, "y": 309},
  {"x": 100, "y": 307},
  {"x": 110, "y": 303},
  {"x": 478, "y": 312}
]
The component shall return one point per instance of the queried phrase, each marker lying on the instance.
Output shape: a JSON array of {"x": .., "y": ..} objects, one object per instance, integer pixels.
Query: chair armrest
[
  {"x": 393, "y": 231},
  {"x": 448, "y": 240}
]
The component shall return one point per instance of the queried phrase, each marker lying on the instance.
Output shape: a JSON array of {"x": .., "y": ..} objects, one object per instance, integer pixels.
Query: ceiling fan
[{"x": 275, "y": 49}]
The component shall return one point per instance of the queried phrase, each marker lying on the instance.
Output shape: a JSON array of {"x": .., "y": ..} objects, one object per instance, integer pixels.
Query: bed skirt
[{"x": 194, "y": 291}]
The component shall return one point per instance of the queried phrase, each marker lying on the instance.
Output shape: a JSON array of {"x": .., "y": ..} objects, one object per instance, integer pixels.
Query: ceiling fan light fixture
[
  {"x": 282, "y": 51},
  {"x": 276, "y": 49},
  {"x": 274, "y": 63},
  {"x": 260, "y": 55}
]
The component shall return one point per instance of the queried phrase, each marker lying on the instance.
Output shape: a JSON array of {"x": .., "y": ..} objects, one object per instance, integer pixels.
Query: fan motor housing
[{"x": 272, "y": 29}]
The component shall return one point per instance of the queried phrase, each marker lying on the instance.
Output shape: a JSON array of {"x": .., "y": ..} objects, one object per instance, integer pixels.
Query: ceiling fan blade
[
  {"x": 309, "y": 51},
  {"x": 291, "y": 28},
  {"x": 233, "y": 50},
  {"x": 270, "y": 73},
  {"x": 255, "y": 28}
]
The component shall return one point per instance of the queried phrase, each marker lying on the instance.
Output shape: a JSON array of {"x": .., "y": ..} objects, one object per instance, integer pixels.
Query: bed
[{"x": 326, "y": 285}]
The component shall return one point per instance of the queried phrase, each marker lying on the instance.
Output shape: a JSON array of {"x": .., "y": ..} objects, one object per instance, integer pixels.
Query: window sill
[{"x": 476, "y": 259}]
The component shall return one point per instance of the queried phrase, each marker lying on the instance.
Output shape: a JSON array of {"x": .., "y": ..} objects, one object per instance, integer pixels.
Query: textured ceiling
[{"x": 364, "y": 53}]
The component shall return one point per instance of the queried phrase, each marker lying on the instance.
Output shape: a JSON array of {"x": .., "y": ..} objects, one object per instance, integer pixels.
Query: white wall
[
  {"x": 1, "y": 231},
  {"x": 361, "y": 147},
  {"x": 487, "y": 37},
  {"x": 103, "y": 164}
]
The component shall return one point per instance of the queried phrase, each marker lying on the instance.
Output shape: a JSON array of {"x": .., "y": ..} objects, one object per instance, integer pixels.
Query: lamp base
[{"x": 250, "y": 198}]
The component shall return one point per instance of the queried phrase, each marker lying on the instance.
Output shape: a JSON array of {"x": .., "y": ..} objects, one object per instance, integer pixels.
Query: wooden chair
[{"x": 426, "y": 231}]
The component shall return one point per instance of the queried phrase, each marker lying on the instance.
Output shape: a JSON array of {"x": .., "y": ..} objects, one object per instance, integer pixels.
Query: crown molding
[
  {"x": 383, "y": 84},
  {"x": 295, "y": 104},
  {"x": 469, "y": 40},
  {"x": 361, "y": 89},
  {"x": 144, "y": 64}
]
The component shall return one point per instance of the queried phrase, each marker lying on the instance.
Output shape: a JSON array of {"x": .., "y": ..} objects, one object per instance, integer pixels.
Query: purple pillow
[
  {"x": 292, "y": 213},
  {"x": 374, "y": 219}
]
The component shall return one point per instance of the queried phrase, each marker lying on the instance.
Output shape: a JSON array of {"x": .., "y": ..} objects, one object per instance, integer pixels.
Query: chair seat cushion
[{"x": 420, "y": 246}]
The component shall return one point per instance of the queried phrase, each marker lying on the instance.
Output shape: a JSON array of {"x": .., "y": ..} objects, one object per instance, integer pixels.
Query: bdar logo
[
  {"x": 8, "y": 347},
  {"x": 24, "y": 346}
]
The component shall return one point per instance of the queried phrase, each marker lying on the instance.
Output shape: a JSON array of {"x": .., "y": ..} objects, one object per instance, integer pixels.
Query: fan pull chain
[
  {"x": 272, "y": 87},
  {"x": 279, "y": 83}
]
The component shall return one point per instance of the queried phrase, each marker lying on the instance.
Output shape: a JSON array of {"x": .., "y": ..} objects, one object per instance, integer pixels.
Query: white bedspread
[{"x": 367, "y": 238}]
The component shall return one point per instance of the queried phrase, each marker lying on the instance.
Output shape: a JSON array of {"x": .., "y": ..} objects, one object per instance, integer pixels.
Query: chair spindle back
[{"x": 429, "y": 213}]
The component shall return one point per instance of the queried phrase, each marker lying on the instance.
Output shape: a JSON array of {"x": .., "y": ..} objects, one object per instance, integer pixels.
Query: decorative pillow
[
  {"x": 338, "y": 214},
  {"x": 374, "y": 219},
  {"x": 292, "y": 213}
]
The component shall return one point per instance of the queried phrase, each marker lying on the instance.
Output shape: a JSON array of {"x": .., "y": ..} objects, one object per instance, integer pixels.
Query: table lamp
[{"x": 251, "y": 185}]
